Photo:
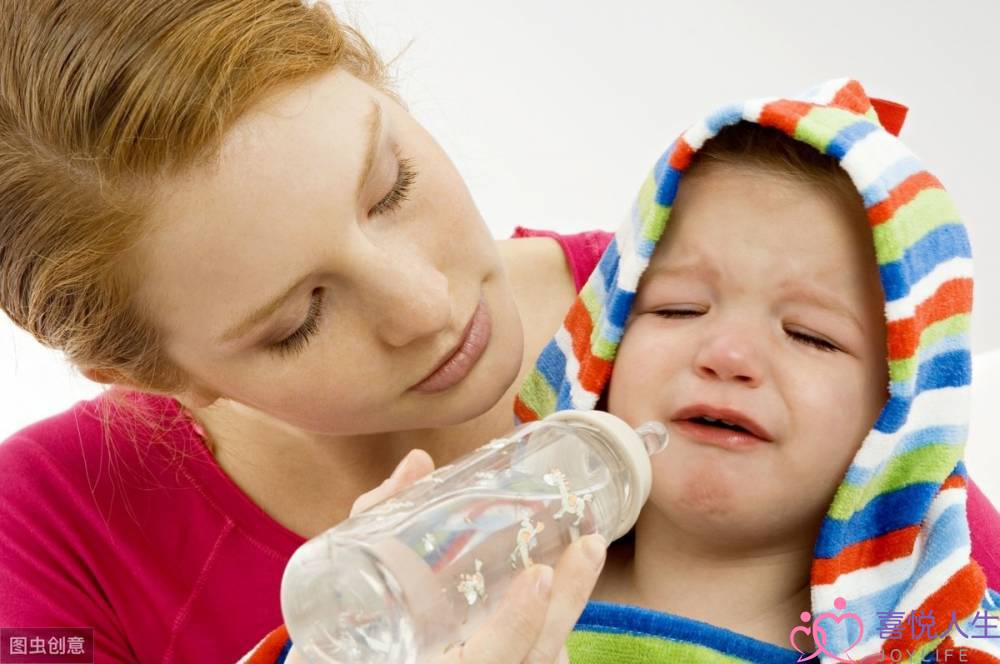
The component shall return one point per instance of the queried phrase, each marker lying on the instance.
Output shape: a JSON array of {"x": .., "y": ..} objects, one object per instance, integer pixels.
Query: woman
[{"x": 221, "y": 210}]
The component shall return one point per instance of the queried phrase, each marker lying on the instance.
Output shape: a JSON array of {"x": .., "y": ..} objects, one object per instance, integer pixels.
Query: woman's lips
[
  {"x": 460, "y": 362},
  {"x": 719, "y": 436}
]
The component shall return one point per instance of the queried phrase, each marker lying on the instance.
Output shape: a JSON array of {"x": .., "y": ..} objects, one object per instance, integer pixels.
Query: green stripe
[
  {"x": 589, "y": 299},
  {"x": 536, "y": 393},
  {"x": 929, "y": 209},
  {"x": 586, "y": 647},
  {"x": 821, "y": 124},
  {"x": 930, "y": 463},
  {"x": 903, "y": 370},
  {"x": 652, "y": 215}
]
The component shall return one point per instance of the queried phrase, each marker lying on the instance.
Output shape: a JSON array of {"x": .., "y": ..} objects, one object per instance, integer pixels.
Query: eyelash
[
  {"x": 819, "y": 344},
  {"x": 398, "y": 193},
  {"x": 297, "y": 340}
]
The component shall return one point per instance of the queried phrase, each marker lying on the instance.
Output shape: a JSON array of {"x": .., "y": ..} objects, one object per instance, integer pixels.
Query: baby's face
[{"x": 763, "y": 297}]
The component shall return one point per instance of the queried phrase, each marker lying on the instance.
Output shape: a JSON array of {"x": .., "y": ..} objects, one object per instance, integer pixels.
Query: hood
[{"x": 894, "y": 543}]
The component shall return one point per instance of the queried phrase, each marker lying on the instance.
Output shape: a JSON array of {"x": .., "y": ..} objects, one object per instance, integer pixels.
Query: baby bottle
[{"x": 417, "y": 573}]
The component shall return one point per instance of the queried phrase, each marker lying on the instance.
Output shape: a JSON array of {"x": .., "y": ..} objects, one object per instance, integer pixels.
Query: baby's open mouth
[{"x": 718, "y": 423}]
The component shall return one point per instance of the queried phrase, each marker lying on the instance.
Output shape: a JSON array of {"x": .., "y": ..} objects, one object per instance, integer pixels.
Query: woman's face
[{"x": 332, "y": 195}]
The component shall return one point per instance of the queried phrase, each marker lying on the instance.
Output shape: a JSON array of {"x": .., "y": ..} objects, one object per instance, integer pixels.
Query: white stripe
[
  {"x": 934, "y": 579},
  {"x": 936, "y": 407},
  {"x": 579, "y": 397},
  {"x": 950, "y": 497},
  {"x": 871, "y": 580},
  {"x": 696, "y": 135},
  {"x": 870, "y": 157},
  {"x": 906, "y": 306},
  {"x": 752, "y": 108},
  {"x": 628, "y": 269}
]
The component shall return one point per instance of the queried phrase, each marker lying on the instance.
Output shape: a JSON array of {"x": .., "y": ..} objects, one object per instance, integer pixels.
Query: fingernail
[
  {"x": 543, "y": 584},
  {"x": 595, "y": 548}
]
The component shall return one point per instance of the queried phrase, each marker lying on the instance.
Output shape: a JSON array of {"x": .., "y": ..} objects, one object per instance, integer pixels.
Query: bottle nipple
[{"x": 654, "y": 436}]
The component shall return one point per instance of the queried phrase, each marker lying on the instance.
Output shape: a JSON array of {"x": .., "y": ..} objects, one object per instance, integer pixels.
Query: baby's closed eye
[{"x": 809, "y": 340}]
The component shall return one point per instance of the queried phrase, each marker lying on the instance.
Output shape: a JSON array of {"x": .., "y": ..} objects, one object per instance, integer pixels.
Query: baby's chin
[{"x": 721, "y": 506}]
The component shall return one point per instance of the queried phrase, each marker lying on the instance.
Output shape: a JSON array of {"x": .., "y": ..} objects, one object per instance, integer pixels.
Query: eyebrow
[
  {"x": 373, "y": 121},
  {"x": 793, "y": 289}
]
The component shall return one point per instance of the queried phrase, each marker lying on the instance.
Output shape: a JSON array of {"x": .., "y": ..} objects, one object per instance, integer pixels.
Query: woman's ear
[
  {"x": 106, "y": 377},
  {"x": 194, "y": 396}
]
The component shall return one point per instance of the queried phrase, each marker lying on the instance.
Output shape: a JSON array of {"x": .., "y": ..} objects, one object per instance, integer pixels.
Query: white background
[{"x": 555, "y": 111}]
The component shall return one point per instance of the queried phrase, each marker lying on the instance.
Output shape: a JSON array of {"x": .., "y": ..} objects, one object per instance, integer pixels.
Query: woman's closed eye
[
  {"x": 401, "y": 187},
  {"x": 297, "y": 340},
  {"x": 815, "y": 342}
]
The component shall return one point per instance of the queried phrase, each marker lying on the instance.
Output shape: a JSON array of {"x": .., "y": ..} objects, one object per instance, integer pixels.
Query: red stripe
[
  {"x": 784, "y": 114},
  {"x": 952, "y": 297},
  {"x": 523, "y": 412},
  {"x": 594, "y": 374},
  {"x": 267, "y": 651},
  {"x": 897, "y": 544},
  {"x": 902, "y": 193},
  {"x": 962, "y": 593},
  {"x": 580, "y": 327},
  {"x": 680, "y": 156},
  {"x": 852, "y": 97},
  {"x": 952, "y": 482}
]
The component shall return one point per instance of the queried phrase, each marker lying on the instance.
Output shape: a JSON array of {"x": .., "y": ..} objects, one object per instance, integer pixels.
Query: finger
[
  {"x": 576, "y": 573},
  {"x": 414, "y": 465},
  {"x": 508, "y": 634}
]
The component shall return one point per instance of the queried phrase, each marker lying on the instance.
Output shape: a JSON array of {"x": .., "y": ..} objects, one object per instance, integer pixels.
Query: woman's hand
[{"x": 540, "y": 607}]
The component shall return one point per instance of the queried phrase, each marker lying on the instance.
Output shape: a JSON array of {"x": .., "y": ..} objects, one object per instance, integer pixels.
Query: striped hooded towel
[{"x": 895, "y": 540}]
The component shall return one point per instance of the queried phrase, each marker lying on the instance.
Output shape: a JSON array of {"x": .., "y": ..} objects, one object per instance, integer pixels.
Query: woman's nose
[
  {"x": 408, "y": 300},
  {"x": 729, "y": 354}
]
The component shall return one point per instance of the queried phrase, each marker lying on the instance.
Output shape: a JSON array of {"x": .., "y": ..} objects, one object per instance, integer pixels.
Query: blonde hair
[{"x": 98, "y": 102}]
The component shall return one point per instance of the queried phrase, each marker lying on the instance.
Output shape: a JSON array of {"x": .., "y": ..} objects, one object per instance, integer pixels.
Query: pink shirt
[{"x": 143, "y": 537}]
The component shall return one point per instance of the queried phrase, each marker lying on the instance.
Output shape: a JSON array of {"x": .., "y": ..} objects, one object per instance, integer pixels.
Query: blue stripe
[
  {"x": 867, "y": 607},
  {"x": 552, "y": 365},
  {"x": 564, "y": 399},
  {"x": 950, "y": 369},
  {"x": 941, "y": 244},
  {"x": 283, "y": 654},
  {"x": 934, "y": 435},
  {"x": 883, "y": 514},
  {"x": 950, "y": 532},
  {"x": 953, "y": 369},
  {"x": 607, "y": 266},
  {"x": 952, "y": 342},
  {"x": 724, "y": 117},
  {"x": 893, "y": 415},
  {"x": 618, "y": 307},
  {"x": 645, "y": 247},
  {"x": 609, "y": 618},
  {"x": 844, "y": 139},
  {"x": 666, "y": 189},
  {"x": 661, "y": 164},
  {"x": 879, "y": 190}
]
